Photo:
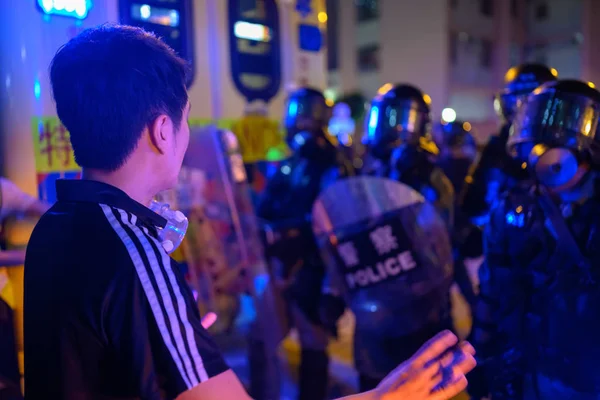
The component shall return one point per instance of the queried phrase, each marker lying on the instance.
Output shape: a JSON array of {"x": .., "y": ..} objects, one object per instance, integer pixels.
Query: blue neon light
[
  {"x": 67, "y": 8},
  {"x": 37, "y": 89},
  {"x": 373, "y": 118},
  {"x": 286, "y": 169},
  {"x": 513, "y": 219},
  {"x": 145, "y": 11},
  {"x": 174, "y": 18},
  {"x": 293, "y": 108},
  {"x": 260, "y": 283}
]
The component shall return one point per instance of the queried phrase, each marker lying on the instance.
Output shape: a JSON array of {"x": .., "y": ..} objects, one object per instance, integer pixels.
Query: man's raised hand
[{"x": 436, "y": 372}]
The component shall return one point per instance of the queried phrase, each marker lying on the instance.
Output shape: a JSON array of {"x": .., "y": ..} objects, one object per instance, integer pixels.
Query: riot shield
[
  {"x": 222, "y": 247},
  {"x": 387, "y": 251}
]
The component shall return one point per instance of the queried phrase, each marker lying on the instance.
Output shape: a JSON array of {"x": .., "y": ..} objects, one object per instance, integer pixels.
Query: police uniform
[
  {"x": 495, "y": 171},
  {"x": 536, "y": 325},
  {"x": 399, "y": 146},
  {"x": 285, "y": 208},
  {"x": 458, "y": 151},
  {"x": 400, "y": 142}
]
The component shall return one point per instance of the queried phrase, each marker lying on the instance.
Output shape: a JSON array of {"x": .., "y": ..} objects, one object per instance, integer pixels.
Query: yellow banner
[
  {"x": 220, "y": 123},
  {"x": 257, "y": 135},
  {"x": 259, "y": 138},
  {"x": 52, "y": 146}
]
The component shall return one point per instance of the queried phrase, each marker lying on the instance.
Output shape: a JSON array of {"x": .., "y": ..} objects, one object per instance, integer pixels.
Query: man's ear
[{"x": 157, "y": 132}]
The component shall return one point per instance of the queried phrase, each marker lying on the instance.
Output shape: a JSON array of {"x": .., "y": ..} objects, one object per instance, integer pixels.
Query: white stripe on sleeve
[
  {"x": 189, "y": 330},
  {"x": 153, "y": 298}
]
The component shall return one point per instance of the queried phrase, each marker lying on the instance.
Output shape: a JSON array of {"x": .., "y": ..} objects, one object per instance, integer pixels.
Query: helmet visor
[
  {"x": 565, "y": 120},
  {"x": 506, "y": 104},
  {"x": 306, "y": 113},
  {"x": 400, "y": 122}
]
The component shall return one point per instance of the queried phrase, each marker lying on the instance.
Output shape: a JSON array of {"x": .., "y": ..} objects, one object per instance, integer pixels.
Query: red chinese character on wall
[
  {"x": 55, "y": 144},
  {"x": 63, "y": 144}
]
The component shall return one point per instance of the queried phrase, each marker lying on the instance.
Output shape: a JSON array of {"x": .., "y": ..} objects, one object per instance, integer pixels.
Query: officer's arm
[
  {"x": 445, "y": 191},
  {"x": 274, "y": 195},
  {"x": 475, "y": 190},
  {"x": 501, "y": 283},
  {"x": 484, "y": 329},
  {"x": 484, "y": 326},
  {"x": 332, "y": 305}
]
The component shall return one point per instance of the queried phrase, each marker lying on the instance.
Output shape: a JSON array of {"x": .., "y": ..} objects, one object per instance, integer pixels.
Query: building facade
[{"x": 457, "y": 51}]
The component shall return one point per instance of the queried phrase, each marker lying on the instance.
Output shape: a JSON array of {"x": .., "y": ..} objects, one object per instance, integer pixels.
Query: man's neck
[{"x": 132, "y": 187}]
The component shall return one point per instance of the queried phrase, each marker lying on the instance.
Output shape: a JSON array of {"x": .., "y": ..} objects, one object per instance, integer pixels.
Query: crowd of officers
[{"x": 527, "y": 202}]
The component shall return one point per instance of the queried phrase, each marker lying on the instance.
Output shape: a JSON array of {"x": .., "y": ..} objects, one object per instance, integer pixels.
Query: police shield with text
[
  {"x": 285, "y": 209},
  {"x": 495, "y": 171},
  {"x": 537, "y": 325},
  {"x": 399, "y": 141},
  {"x": 389, "y": 257}
]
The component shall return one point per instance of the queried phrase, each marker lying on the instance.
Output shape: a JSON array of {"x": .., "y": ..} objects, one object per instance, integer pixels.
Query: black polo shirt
[{"x": 108, "y": 314}]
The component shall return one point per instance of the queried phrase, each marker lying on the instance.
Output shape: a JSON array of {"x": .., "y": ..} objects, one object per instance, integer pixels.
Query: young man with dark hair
[{"x": 107, "y": 312}]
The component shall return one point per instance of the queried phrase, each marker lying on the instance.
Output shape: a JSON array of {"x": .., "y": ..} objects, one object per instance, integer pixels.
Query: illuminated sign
[
  {"x": 254, "y": 43},
  {"x": 170, "y": 20},
  {"x": 309, "y": 38},
  {"x": 155, "y": 15},
  {"x": 67, "y": 8},
  {"x": 256, "y": 32}
]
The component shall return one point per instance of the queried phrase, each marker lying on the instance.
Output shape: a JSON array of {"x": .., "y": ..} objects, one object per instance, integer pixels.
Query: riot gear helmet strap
[
  {"x": 400, "y": 114},
  {"x": 556, "y": 131},
  {"x": 519, "y": 81}
]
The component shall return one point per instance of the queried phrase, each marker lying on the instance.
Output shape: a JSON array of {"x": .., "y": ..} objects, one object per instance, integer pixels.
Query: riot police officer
[
  {"x": 540, "y": 284},
  {"x": 495, "y": 171},
  {"x": 400, "y": 146},
  {"x": 285, "y": 207},
  {"x": 458, "y": 150}
]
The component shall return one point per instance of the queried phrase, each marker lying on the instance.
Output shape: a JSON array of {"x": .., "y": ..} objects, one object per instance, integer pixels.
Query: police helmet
[
  {"x": 519, "y": 81},
  {"x": 398, "y": 114},
  {"x": 556, "y": 132},
  {"x": 307, "y": 112}
]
